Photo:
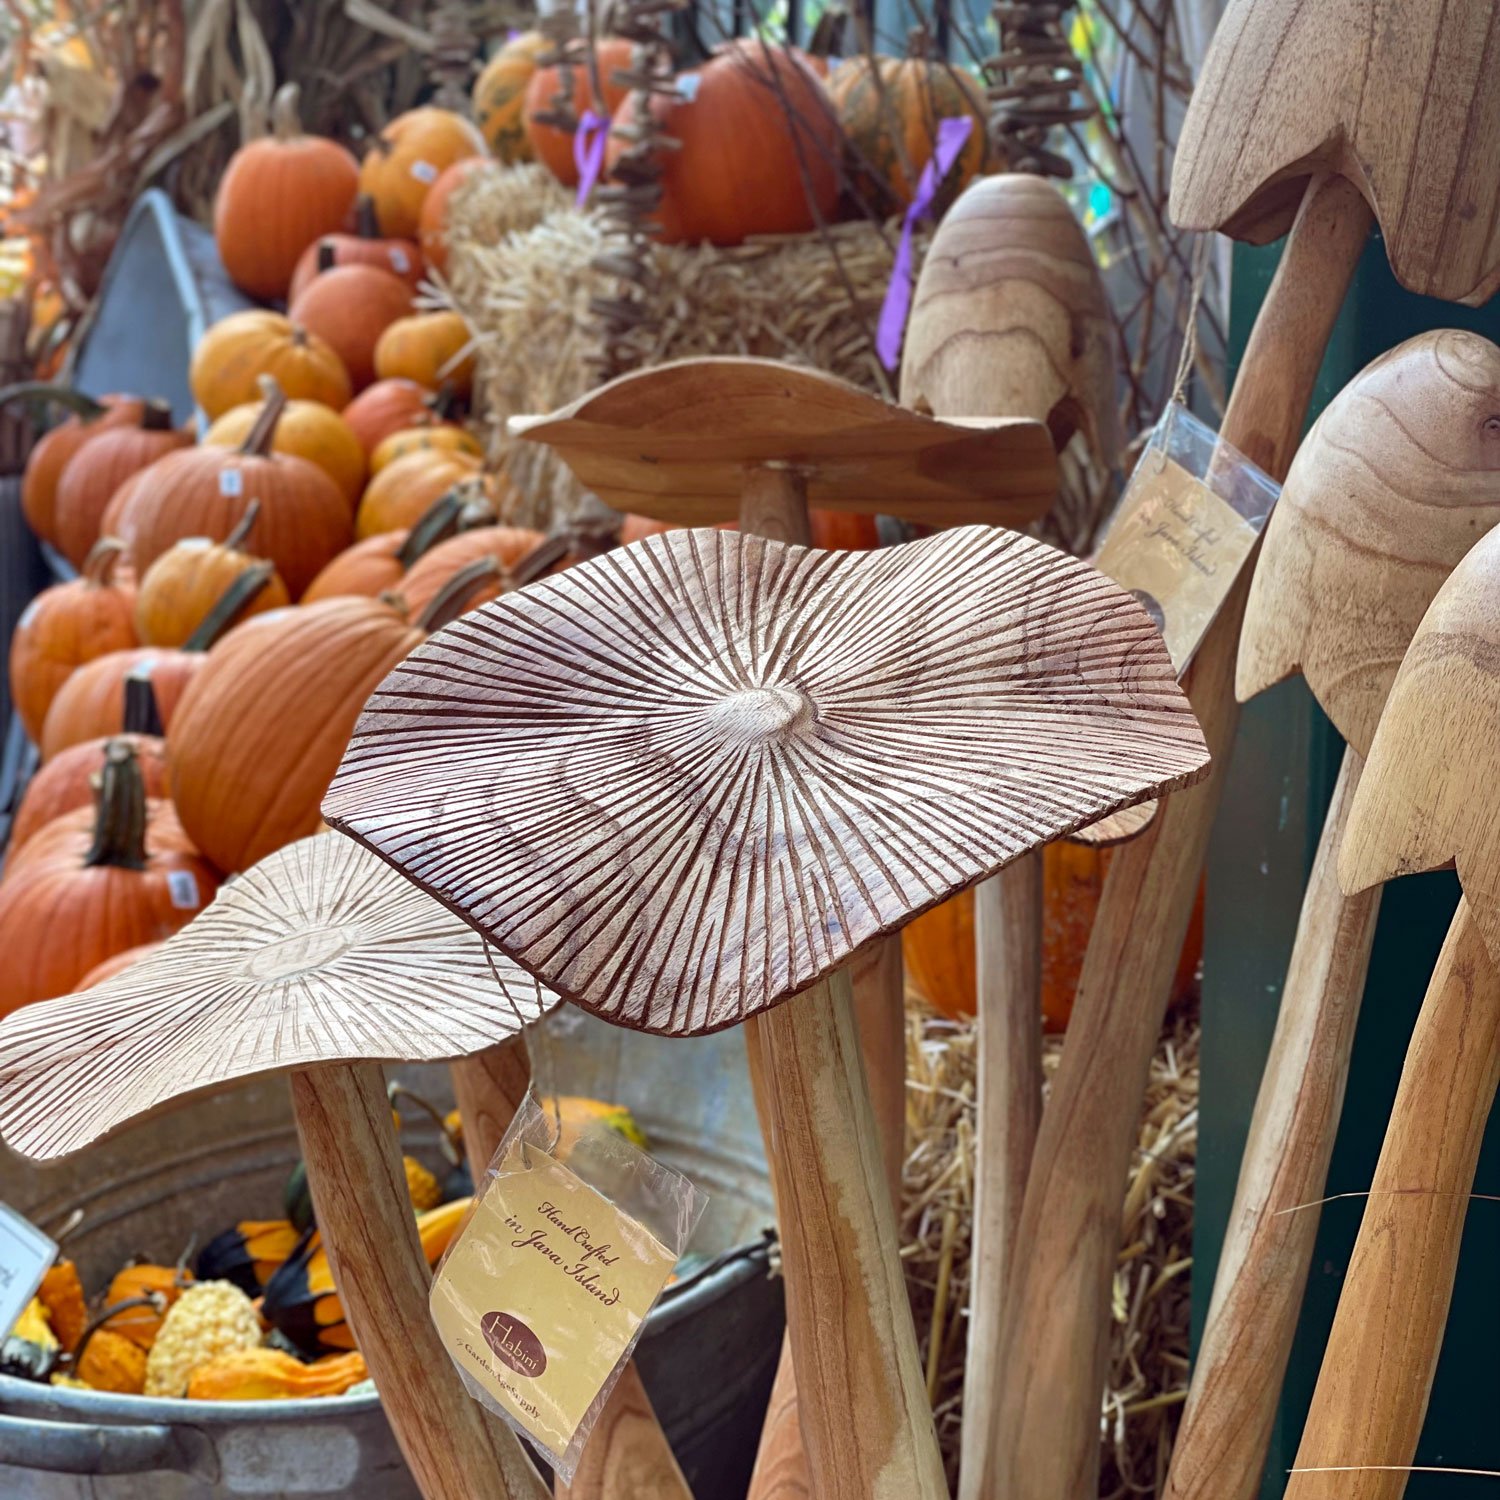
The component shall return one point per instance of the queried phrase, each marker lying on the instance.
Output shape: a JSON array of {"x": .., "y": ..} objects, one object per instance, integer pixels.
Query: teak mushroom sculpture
[
  {"x": 1391, "y": 488},
  {"x": 1293, "y": 95},
  {"x": 691, "y": 778},
  {"x": 1429, "y": 797},
  {"x": 318, "y": 960}
]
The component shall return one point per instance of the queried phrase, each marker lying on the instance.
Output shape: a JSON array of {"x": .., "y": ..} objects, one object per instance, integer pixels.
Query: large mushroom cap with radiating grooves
[
  {"x": 1399, "y": 99},
  {"x": 673, "y": 442},
  {"x": 688, "y": 778},
  {"x": 1398, "y": 479},
  {"x": 1430, "y": 793},
  {"x": 321, "y": 953}
]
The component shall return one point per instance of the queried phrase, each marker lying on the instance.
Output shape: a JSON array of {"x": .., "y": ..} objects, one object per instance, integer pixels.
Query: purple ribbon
[
  {"x": 951, "y": 137},
  {"x": 589, "y": 143}
]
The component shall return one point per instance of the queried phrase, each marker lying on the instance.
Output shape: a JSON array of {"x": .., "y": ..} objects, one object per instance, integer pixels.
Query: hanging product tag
[
  {"x": 1187, "y": 522},
  {"x": 25, "y": 1254},
  {"x": 543, "y": 1293}
]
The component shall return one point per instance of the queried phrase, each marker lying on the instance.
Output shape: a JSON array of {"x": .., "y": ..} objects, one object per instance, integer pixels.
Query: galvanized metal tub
[{"x": 707, "y": 1356}]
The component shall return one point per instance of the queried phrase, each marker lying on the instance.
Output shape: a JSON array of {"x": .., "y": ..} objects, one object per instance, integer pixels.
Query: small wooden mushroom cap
[
  {"x": 1430, "y": 793},
  {"x": 320, "y": 953},
  {"x": 1397, "y": 480},
  {"x": 1010, "y": 315},
  {"x": 689, "y": 778},
  {"x": 1401, "y": 102},
  {"x": 673, "y": 442}
]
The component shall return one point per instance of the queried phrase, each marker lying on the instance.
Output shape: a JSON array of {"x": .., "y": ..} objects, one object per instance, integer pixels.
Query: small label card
[
  {"x": 543, "y": 1291},
  {"x": 25, "y": 1254}
]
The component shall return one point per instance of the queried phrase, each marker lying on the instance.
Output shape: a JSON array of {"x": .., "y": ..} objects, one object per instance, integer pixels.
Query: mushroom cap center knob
[{"x": 755, "y": 715}]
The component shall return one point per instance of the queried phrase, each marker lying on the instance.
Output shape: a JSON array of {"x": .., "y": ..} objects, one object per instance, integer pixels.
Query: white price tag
[
  {"x": 231, "y": 483},
  {"x": 400, "y": 261},
  {"x": 424, "y": 171},
  {"x": 687, "y": 86},
  {"x": 25, "y": 1254},
  {"x": 182, "y": 887}
]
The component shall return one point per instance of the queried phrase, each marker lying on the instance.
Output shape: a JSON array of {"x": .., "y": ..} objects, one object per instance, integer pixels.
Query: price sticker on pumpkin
[
  {"x": 25, "y": 1254},
  {"x": 231, "y": 483},
  {"x": 543, "y": 1293},
  {"x": 424, "y": 171}
]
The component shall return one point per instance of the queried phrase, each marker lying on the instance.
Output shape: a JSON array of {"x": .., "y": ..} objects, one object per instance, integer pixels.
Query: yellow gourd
[
  {"x": 112, "y": 1362},
  {"x": 209, "y": 1319},
  {"x": 271, "y": 1375},
  {"x": 422, "y": 1185},
  {"x": 142, "y": 1324},
  {"x": 61, "y": 1293}
]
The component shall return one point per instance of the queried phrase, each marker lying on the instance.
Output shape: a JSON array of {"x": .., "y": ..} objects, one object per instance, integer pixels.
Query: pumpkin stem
[
  {"x": 366, "y": 224},
  {"x": 39, "y": 393},
  {"x": 235, "y": 541},
  {"x": 230, "y": 605},
  {"x": 286, "y": 121},
  {"x": 154, "y": 1300},
  {"x": 141, "y": 713},
  {"x": 541, "y": 559},
  {"x": 258, "y": 440},
  {"x": 436, "y": 524},
  {"x": 119, "y": 811},
  {"x": 99, "y": 566},
  {"x": 156, "y": 417},
  {"x": 396, "y": 1092},
  {"x": 441, "y": 405},
  {"x": 327, "y": 257},
  {"x": 448, "y": 603},
  {"x": 919, "y": 43}
]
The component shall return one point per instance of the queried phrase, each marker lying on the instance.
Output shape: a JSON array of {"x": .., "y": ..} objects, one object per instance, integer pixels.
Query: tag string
[
  {"x": 1190, "y": 333},
  {"x": 590, "y": 141},
  {"x": 538, "y": 1044},
  {"x": 1297, "y": 1208}
]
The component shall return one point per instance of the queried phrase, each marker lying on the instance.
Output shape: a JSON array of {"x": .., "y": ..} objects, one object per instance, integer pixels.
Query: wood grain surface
[
  {"x": 1399, "y": 98},
  {"x": 1010, "y": 315},
  {"x": 673, "y": 442},
  {"x": 319, "y": 954},
  {"x": 1046, "y": 1443},
  {"x": 1398, "y": 478},
  {"x": 456, "y": 1449},
  {"x": 732, "y": 763}
]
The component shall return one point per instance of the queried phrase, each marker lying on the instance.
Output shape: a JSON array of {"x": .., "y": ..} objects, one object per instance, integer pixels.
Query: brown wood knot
[{"x": 755, "y": 715}]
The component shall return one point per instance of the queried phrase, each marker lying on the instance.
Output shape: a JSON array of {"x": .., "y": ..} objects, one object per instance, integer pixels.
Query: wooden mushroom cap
[
  {"x": 1393, "y": 485},
  {"x": 320, "y": 953},
  {"x": 673, "y": 442},
  {"x": 1404, "y": 106},
  {"x": 1430, "y": 793},
  {"x": 691, "y": 777}
]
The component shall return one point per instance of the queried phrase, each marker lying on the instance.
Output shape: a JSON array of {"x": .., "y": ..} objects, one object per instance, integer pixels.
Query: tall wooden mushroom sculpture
[
  {"x": 1428, "y": 798},
  {"x": 1390, "y": 489},
  {"x": 691, "y": 778},
  {"x": 1293, "y": 96},
  {"x": 317, "y": 961},
  {"x": 765, "y": 441}
]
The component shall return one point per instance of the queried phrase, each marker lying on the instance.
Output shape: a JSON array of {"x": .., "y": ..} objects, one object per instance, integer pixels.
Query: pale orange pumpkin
[
  {"x": 433, "y": 437},
  {"x": 71, "y": 833},
  {"x": 407, "y": 157},
  {"x": 66, "y": 781},
  {"x": 237, "y": 351},
  {"x": 116, "y": 965},
  {"x": 833, "y": 530},
  {"x": 402, "y": 491},
  {"x": 277, "y": 195},
  {"x": 428, "y": 348},
  {"x": 78, "y": 908},
  {"x": 499, "y": 96},
  {"x": 435, "y": 228},
  {"x": 516, "y": 554},
  {"x": 349, "y": 307},
  {"x": 65, "y": 626},
  {"x": 758, "y": 149},
  {"x": 572, "y": 81},
  {"x": 307, "y": 429},
  {"x": 366, "y": 247},
  {"x": 389, "y": 406}
]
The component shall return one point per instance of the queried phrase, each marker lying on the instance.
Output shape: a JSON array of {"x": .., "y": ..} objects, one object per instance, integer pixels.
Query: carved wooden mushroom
[
  {"x": 1396, "y": 480},
  {"x": 1427, "y": 799},
  {"x": 317, "y": 961},
  {"x": 1253, "y": 157},
  {"x": 691, "y": 778}
]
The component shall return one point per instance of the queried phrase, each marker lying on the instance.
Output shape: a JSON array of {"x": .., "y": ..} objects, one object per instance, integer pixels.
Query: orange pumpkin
[
  {"x": 303, "y": 519},
  {"x": 939, "y": 945},
  {"x": 66, "y": 781},
  {"x": 889, "y": 109},
  {"x": 71, "y": 833},
  {"x": 51, "y": 452},
  {"x": 349, "y": 307},
  {"x": 833, "y": 530},
  {"x": 757, "y": 120},
  {"x": 307, "y": 429},
  {"x": 572, "y": 82},
  {"x": 517, "y": 557},
  {"x": 75, "y": 910},
  {"x": 141, "y": 1324},
  {"x": 401, "y": 492},
  {"x": 435, "y": 437},
  {"x": 277, "y": 195},
  {"x": 499, "y": 96},
  {"x": 408, "y": 156},
  {"x": 429, "y": 349},
  {"x": 263, "y": 728},
  {"x": 99, "y": 468},
  {"x": 433, "y": 230},
  {"x": 192, "y": 578},
  {"x": 65, "y": 626},
  {"x": 366, "y": 247},
  {"x": 388, "y": 406},
  {"x": 92, "y": 702},
  {"x": 116, "y": 965},
  {"x": 237, "y": 351}
]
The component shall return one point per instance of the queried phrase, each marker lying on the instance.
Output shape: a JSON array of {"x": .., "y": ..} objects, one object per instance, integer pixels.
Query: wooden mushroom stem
[
  {"x": 1045, "y": 1441},
  {"x": 1372, "y": 1391},
  {"x": 456, "y": 1448}
]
